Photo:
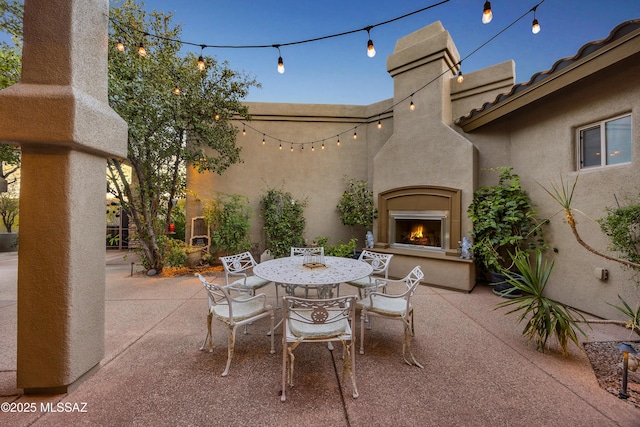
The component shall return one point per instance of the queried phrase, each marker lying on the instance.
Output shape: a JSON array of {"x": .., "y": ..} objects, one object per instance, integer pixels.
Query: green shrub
[
  {"x": 344, "y": 250},
  {"x": 228, "y": 218},
  {"x": 543, "y": 317},
  {"x": 356, "y": 205},
  {"x": 284, "y": 222}
]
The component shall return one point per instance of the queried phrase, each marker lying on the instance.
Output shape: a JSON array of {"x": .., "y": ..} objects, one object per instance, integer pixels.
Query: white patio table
[{"x": 291, "y": 273}]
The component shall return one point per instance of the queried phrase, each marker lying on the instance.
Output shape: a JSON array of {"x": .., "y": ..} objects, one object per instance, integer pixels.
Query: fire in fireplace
[{"x": 418, "y": 229}]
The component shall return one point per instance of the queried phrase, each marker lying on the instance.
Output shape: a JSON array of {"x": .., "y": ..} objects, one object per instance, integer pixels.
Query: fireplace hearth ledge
[{"x": 441, "y": 268}]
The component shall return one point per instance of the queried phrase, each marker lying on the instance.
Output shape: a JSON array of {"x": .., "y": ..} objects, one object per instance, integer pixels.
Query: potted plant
[
  {"x": 504, "y": 221},
  {"x": 357, "y": 207}
]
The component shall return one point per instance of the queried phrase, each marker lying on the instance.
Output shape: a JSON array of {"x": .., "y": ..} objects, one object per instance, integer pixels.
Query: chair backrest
[
  {"x": 413, "y": 279},
  {"x": 379, "y": 262},
  {"x": 238, "y": 263},
  {"x": 320, "y": 318},
  {"x": 316, "y": 250},
  {"x": 217, "y": 294}
]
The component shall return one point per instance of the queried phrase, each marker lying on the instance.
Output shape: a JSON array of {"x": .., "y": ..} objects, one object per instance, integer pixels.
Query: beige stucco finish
[
  {"x": 60, "y": 116},
  {"x": 534, "y": 131}
]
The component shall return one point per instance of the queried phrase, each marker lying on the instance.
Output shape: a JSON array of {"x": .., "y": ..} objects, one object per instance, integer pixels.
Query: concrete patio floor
[{"x": 478, "y": 369}]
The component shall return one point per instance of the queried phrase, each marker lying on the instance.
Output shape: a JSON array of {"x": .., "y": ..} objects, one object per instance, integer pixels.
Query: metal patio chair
[
  {"x": 318, "y": 320},
  {"x": 393, "y": 306},
  {"x": 234, "y": 312},
  {"x": 380, "y": 263}
]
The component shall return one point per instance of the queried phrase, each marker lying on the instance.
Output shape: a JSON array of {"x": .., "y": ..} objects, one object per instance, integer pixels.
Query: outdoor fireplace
[{"x": 418, "y": 229}]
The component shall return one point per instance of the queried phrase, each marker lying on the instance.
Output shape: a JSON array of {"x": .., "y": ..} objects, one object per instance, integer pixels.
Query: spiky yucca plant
[{"x": 543, "y": 316}]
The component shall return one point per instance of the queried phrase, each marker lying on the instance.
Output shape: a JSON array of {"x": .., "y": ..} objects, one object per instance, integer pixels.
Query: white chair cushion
[
  {"x": 383, "y": 305},
  {"x": 362, "y": 283},
  {"x": 241, "y": 311},
  {"x": 253, "y": 282},
  {"x": 317, "y": 330}
]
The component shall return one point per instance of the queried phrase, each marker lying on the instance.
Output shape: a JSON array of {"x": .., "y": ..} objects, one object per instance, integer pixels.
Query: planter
[
  {"x": 8, "y": 242},
  {"x": 193, "y": 258}
]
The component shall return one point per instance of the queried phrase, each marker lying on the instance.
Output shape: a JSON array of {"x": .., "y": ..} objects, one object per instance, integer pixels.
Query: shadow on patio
[{"x": 478, "y": 368}]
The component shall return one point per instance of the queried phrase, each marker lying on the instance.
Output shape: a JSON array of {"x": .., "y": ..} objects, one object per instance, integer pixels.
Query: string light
[
  {"x": 487, "y": 15},
  {"x": 142, "y": 51},
  {"x": 120, "y": 46},
  {"x": 535, "y": 26},
  {"x": 176, "y": 90},
  {"x": 201, "y": 64},
  {"x": 263, "y": 140},
  {"x": 280, "y": 61},
  {"x": 280, "y": 146},
  {"x": 460, "y": 78},
  {"x": 216, "y": 117},
  {"x": 312, "y": 147},
  {"x": 371, "y": 51},
  {"x": 244, "y": 131}
]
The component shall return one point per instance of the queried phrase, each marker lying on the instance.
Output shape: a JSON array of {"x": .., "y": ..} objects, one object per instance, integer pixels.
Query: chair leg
[
  {"x": 348, "y": 365},
  {"x": 209, "y": 337},
  {"x": 363, "y": 315},
  {"x": 232, "y": 339},
  {"x": 283, "y": 392},
  {"x": 273, "y": 349},
  {"x": 406, "y": 343},
  {"x": 277, "y": 299}
]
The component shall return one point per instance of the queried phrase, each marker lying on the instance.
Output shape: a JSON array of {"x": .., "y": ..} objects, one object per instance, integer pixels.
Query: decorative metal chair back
[
  {"x": 318, "y": 320},
  {"x": 239, "y": 263},
  {"x": 233, "y": 312},
  {"x": 394, "y": 306},
  {"x": 379, "y": 262}
]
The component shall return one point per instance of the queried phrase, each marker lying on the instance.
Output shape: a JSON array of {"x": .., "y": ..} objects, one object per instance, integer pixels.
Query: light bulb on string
[
  {"x": 460, "y": 77},
  {"x": 371, "y": 51},
  {"x": 487, "y": 15},
  {"x": 535, "y": 25},
  {"x": 120, "y": 46},
  {"x": 244, "y": 131},
  {"x": 355, "y": 135},
  {"x": 280, "y": 61},
  {"x": 263, "y": 140},
  {"x": 141, "y": 50},
  {"x": 280, "y": 146},
  {"x": 292, "y": 148},
  {"x": 379, "y": 124},
  {"x": 201, "y": 64},
  {"x": 338, "y": 143},
  {"x": 323, "y": 145},
  {"x": 216, "y": 117},
  {"x": 313, "y": 148},
  {"x": 412, "y": 106},
  {"x": 176, "y": 90}
]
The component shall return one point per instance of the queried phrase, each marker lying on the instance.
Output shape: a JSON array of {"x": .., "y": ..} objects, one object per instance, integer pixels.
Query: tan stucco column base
[{"x": 61, "y": 269}]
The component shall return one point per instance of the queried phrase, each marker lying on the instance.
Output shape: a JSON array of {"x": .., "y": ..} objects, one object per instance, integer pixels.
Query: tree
[
  {"x": 10, "y": 69},
  {"x": 167, "y": 129},
  {"x": 356, "y": 204}
]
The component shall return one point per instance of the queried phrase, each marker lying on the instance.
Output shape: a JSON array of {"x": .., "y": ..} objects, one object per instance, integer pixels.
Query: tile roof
[{"x": 620, "y": 31}]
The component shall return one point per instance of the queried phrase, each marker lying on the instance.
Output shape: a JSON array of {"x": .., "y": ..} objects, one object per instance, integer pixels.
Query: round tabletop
[{"x": 290, "y": 270}]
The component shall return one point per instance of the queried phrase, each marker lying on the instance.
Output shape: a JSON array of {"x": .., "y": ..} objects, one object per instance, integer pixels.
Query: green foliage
[
  {"x": 10, "y": 69},
  {"x": 175, "y": 253},
  {"x": 178, "y": 218},
  {"x": 622, "y": 225},
  {"x": 9, "y": 209},
  {"x": 356, "y": 205},
  {"x": 284, "y": 222},
  {"x": 228, "y": 218},
  {"x": 166, "y": 132},
  {"x": 634, "y": 315},
  {"x": 543, "y": 316},
  {"x": 344, "y": 250},
  {"x": 504, "y": 220}
]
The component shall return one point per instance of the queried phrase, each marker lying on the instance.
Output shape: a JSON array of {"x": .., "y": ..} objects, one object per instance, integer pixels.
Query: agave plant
[{"x": 543, "y": 316}]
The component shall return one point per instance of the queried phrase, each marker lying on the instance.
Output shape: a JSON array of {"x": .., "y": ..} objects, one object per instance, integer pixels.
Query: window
[{"x": 612, "y": 137}]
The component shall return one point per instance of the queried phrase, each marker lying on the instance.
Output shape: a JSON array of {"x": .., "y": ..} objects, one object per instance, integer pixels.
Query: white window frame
[{"x": 604, "y": 159}]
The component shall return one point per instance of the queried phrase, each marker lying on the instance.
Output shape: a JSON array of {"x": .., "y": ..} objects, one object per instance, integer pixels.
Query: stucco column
[{"x": 60, "y": 117}]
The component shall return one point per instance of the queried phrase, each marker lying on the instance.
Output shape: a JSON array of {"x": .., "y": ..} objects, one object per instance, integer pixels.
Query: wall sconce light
[{"x": 625, "y": 348}]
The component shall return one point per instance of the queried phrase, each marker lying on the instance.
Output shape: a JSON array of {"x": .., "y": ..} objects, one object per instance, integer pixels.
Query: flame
[{"x": 416, "y": 233}]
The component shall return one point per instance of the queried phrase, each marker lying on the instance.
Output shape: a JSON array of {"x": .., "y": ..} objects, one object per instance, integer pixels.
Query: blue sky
[{"x": 338, "y": 71}]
